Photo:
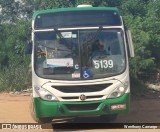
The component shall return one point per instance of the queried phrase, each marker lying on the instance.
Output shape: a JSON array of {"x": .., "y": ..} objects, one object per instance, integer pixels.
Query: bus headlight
[
  {"x": 45, "y": 94},
  {"x": 118, "y": 92}
]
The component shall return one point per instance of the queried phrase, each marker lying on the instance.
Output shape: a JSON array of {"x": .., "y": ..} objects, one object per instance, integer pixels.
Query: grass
[{"x": 15, "y": 78}]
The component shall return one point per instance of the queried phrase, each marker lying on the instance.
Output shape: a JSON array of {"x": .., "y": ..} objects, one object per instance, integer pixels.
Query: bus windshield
[{"x": 79, "y": 54}]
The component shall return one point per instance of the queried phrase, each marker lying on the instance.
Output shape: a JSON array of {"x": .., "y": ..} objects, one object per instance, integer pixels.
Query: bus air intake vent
[
  {"x": 82, "y": 88},
  {"x": 81, "y": 107}
]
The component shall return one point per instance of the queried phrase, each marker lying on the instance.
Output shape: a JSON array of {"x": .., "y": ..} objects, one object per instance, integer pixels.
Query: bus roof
[{"x": 73, "y": 9}]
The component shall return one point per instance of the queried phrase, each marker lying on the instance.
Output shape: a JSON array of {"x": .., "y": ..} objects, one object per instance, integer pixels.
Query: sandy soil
[{"x": 15, "y": 109}]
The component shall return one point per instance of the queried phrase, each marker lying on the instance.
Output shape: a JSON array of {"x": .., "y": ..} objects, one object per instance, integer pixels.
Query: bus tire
[
  {"x": 108, "y": 118},
  {"x": 36, "y": 119}
]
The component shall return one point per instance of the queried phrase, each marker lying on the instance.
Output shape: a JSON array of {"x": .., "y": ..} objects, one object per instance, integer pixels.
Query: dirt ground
[{"x": 15, "y": 109}]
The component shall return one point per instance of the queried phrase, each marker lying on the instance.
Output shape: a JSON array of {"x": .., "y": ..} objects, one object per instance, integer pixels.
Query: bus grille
[
  {"x": 87, "y": 97},
  {"x": 82, "y": 88}
]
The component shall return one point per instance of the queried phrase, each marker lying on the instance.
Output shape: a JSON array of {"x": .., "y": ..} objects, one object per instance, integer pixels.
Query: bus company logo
[{"x": 82, "y": 97}]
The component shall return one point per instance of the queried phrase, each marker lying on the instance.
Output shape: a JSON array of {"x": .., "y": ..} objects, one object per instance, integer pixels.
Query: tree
[
  {"x": 151, "y": 25},
  {"x": 141, "y": 16},
  {"x": 10, "y": 11}
]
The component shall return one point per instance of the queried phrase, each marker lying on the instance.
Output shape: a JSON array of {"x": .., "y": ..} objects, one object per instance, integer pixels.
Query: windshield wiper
[
  {"x": 85, "y": 47},
  {"x": 60, "y": 35},
  {"x": 90, "y": 41}
]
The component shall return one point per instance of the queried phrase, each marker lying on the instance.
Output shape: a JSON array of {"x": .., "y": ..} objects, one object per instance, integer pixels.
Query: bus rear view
[{"x": 80, "y": 63}]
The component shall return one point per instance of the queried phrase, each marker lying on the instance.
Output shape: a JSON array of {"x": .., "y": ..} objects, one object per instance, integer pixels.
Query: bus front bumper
[{"x": 92, "y": 108}]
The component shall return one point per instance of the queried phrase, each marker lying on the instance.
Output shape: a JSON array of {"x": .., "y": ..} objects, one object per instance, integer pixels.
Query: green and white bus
[{"x": 79, "y": 63}]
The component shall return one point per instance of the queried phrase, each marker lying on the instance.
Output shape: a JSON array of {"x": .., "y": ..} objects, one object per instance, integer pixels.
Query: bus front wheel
[{"x": 38, "y": 120}]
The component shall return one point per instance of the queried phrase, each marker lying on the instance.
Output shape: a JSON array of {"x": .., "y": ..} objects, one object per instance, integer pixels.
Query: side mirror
[
  {"x": 28, "y": 47},
  {"x": 130, "y": 43}
]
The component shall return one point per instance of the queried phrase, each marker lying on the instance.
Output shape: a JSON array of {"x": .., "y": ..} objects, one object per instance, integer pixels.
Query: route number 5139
[{"x": 103, "y": 64}]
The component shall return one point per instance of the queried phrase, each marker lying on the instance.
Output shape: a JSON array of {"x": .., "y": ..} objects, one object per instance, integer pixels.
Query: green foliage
[
  {"x": 134, "y": 7},
  {"x": 15, "y": 76},
  {"x": 138, "y": 88},
  {"x": 141, "y": 16},
  {"x": 50, "y": 4},
  {"x": 10, "y": 11},
  {"x": 14, "y": 64},
  {"x": 143, "y": 57}
]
